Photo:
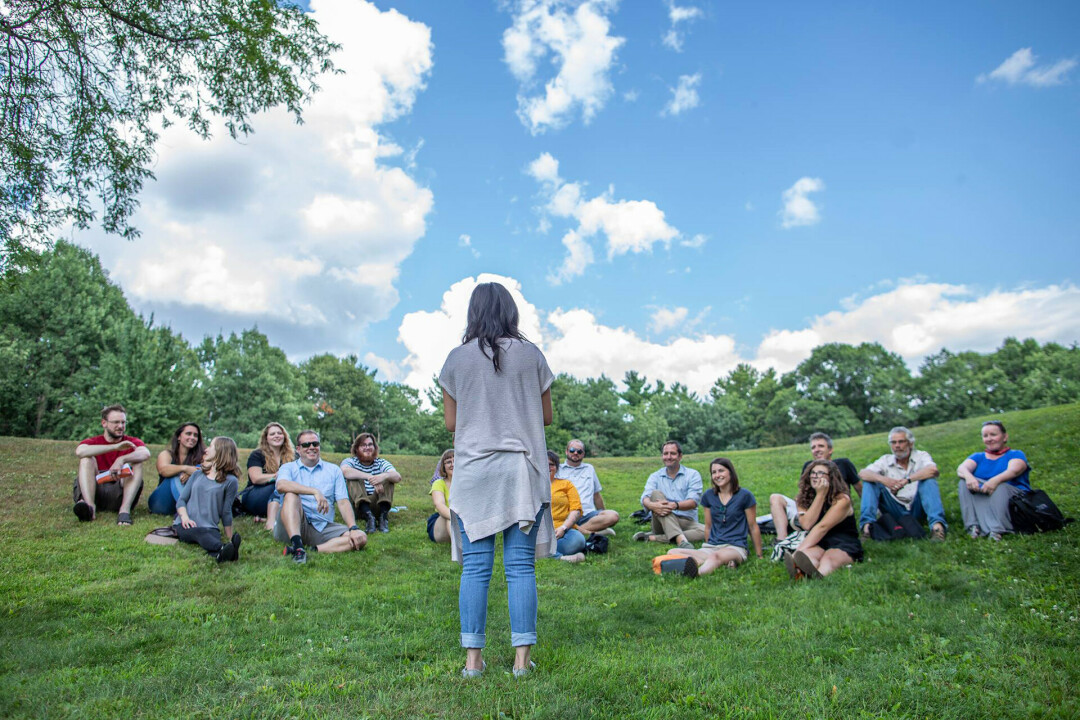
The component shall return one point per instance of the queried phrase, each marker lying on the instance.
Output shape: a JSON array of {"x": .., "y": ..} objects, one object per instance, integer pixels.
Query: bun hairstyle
[{"x": 493, "y": 315}]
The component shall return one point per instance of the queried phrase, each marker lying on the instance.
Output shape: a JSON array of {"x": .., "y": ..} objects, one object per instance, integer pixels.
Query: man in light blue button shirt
[
  {"x": 310, "y": 487},
  {"x": 672, "y": 494}
]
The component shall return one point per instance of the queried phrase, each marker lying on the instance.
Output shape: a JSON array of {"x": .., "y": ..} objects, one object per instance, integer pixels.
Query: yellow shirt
[{"x": 564, "y": 500}]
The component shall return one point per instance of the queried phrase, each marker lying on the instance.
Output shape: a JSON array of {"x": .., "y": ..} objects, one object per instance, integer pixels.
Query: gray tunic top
[
  {"x": 207, "y": 501},
  {"x": 500, "y": 454}
]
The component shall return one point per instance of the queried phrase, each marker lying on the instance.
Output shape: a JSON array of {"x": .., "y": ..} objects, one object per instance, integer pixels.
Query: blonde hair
[{"x": 270, "y": 456}]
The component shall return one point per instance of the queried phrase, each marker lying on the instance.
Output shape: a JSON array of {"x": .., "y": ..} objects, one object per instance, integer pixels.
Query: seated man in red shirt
[{"x": 119, "y": 455}]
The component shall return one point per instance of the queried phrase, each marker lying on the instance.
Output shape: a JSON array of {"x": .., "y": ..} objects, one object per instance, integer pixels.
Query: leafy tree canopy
[{"x": 84, "y": 85}]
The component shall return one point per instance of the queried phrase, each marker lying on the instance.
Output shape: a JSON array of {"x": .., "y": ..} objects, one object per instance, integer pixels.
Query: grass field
[{"x": 96, "y": 623}]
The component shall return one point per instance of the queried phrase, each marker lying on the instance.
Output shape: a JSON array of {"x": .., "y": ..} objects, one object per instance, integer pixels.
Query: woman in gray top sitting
[{"x": 207, "y": 498}]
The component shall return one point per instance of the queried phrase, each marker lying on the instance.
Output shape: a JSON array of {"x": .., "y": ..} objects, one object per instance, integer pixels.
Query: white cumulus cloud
[
  {"x": 300, "y": 228},
  {"x": 913, "y": 319},
  {"x": 1021, "y": 68},
  {"x": 679, "y": 15},
  {"x": 684, "y": 96},
  {"x": 574, "y": 37},
  {"x": 798, "y": 208},
  {"x": 628, "y": 225}
]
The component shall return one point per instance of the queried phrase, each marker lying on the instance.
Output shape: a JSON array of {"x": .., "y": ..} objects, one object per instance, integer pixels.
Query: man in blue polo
[
  {"x": 672, "y": 493},
  {"x": 309, "y": 487}
]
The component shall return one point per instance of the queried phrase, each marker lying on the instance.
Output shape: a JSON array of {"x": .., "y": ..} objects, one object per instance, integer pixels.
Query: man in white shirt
[
  {"x": 903, "y": 482},
  {"x": 595, "y": 518}
]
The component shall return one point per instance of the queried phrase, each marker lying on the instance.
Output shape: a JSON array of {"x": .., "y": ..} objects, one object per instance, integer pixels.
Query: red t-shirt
[{"x": 105, "y": 460}]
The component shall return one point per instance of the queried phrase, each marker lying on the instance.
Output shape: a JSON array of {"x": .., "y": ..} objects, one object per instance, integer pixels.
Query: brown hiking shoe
[{"x": 937, "y": 533}]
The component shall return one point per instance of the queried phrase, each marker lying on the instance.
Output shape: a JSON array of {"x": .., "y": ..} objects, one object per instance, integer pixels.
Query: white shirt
[{"x": 584, "y": 479}]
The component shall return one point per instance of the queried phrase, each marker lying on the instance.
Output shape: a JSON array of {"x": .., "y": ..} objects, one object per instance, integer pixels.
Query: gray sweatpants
[{"x": 989, "y": 512}]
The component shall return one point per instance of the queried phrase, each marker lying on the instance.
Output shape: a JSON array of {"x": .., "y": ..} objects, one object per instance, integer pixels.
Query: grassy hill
[{"x": 96, "y": 623}]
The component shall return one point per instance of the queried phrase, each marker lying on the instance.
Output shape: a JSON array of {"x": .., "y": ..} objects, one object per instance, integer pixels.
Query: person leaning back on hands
[
  {"x": 118, "y": 460},
  {"x": 309, "y": 487}
]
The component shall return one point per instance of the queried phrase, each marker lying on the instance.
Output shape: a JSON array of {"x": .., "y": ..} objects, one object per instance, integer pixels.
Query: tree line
[{"x": 70, "y": 343}]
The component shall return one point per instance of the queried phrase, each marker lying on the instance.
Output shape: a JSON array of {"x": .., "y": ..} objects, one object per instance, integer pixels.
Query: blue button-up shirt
[
  {"x": 324, "y": 477},
  {"x": 686, "y": 485}
]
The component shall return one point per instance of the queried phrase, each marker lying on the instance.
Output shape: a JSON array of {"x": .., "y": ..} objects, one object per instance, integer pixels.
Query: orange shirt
[{"x": 564, "y": 500}]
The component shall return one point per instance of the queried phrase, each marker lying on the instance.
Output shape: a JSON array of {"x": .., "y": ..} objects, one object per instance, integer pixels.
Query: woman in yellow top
[
  {"x": 565, "y": 512},
  {"x": 438, "y": 524}
]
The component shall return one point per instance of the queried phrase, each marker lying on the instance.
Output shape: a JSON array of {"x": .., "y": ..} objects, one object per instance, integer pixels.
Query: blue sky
[{"x": 899, "y": 173}]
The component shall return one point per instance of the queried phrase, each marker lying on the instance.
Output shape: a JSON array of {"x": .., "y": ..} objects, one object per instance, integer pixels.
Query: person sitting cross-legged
[
  {"x": 310, "y": 487},
  {"x": 672, "y": 494},
  {"x": 989, "y": 480},
  {"x": 595, "y": 518},
  {"x": 175, "y": 465}
]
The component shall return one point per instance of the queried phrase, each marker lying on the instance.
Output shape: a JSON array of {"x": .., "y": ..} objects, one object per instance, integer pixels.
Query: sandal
[
  {"x": 124, "y": 519},
  {"x": 804, "y": 563}
]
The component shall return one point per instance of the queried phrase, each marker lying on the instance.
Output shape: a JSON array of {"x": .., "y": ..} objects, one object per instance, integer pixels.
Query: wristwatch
[{"x": 355, "y": 527}]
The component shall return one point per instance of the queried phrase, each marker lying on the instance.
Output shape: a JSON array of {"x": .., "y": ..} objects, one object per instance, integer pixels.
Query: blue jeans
[
  {"x": 255, "y": 498},
  {"x": 572, "y": 542},
  {"x": 519, "y": 566},
  {"x": 163, "y": 500},
  {"x": 927, "y": 503}
]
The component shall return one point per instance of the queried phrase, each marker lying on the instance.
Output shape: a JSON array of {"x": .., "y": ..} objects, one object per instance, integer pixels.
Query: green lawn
[{"x": 96, "y": 623}]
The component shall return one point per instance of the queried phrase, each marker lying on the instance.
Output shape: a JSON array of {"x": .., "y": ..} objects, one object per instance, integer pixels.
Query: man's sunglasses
[
  {"x": 575, "y": 451},
  {"x": 313, "y": 443}
]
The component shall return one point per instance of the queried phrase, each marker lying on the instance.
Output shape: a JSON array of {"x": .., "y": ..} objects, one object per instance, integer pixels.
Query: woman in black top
[
  {"x": 260, "y": 497},
  {"x": 826, "y": 512}
]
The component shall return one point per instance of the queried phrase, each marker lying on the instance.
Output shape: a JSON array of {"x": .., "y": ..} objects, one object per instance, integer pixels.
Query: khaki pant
[
  {"x": 358, "y": 494},
  {"x": 672, "y": 526}
]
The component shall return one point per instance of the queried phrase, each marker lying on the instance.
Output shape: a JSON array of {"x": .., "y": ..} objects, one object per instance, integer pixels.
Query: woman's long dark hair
[
  {"x": 195, "y": 456},
  {"x": 493, "y": 315},
  {"x": 724, "y": 462},
  {"x": 837, "y": 486}
]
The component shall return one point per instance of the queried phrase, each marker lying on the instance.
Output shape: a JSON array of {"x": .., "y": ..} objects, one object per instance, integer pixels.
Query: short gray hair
[
  {"x": 821, "y": 436},
  {"x": 901, "y": 429}
]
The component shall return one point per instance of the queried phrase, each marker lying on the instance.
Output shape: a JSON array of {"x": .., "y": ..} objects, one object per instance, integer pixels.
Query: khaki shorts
[
  {"x": 724, "y": 546},
  {"x": 309, "y": 535}
]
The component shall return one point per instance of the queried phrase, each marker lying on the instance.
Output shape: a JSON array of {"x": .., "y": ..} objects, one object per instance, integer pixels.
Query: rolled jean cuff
[
  {"x": 473, "y": 640},
  {"x": 519, "y": 639}
]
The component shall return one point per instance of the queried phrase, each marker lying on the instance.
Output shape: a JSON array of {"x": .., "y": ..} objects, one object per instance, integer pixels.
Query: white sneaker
[
  {"x": 607, "y": 532},
  {"x": 575, "y": 558}
]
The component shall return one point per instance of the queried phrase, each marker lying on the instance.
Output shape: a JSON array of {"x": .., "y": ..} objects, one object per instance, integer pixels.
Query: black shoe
[
  {"x": 370, "y": 524},
  {"x": 236, "y": 540},
  {"x": 83, "y": 511},
  {"x": 299, "y": 556},
  {"x": 384, "y": 522},
  {"x": 227, "y": 553}
]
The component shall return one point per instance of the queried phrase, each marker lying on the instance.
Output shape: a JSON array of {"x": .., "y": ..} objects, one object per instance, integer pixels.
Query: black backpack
[
  {"x": 888, "y": 527},
  {"x": 1035, "y": 512},
  {"x": 597, "y": 544}
]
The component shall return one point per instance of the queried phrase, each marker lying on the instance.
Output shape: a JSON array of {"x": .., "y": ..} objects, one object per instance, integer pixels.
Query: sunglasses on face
[
  {"x": 306, "y": 445},
  {"x": 575, "y": 451}
]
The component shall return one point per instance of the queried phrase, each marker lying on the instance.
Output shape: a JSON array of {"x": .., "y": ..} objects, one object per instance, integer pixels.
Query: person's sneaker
[
  {"x": 227, "y": 553},
  {"x": 685, "y": 545},
  {"x": 83, "y": 511},
  {"x": 606, "y": 532},
  {"x": 641, "y": 536},
  {"x": 299, "y": 556},
  {"x": 524, "y": 671},
  {"x": 236, "y": 540},
  {"x": 473, "y": 674},
  {"x": 680, "y": 566},
  {"x": 575, "y": 558},
  {"x": 937, "y": 534},
  {"x": 974, "y": 532},
  {"x": 996, "y": 537}
]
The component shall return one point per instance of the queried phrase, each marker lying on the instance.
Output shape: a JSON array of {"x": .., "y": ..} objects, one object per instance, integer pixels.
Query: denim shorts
[{"x": 587, "y": 517}]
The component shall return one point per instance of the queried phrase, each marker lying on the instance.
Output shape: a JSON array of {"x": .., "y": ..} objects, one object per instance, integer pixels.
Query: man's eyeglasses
[{"x": 313, "y": 443}]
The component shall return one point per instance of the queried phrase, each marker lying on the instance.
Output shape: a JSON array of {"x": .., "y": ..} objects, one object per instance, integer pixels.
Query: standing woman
[
  {"x": 175, "y": 466},
  {"x": 260, "y": 497},
  {"x": 496, "y": 401}
]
